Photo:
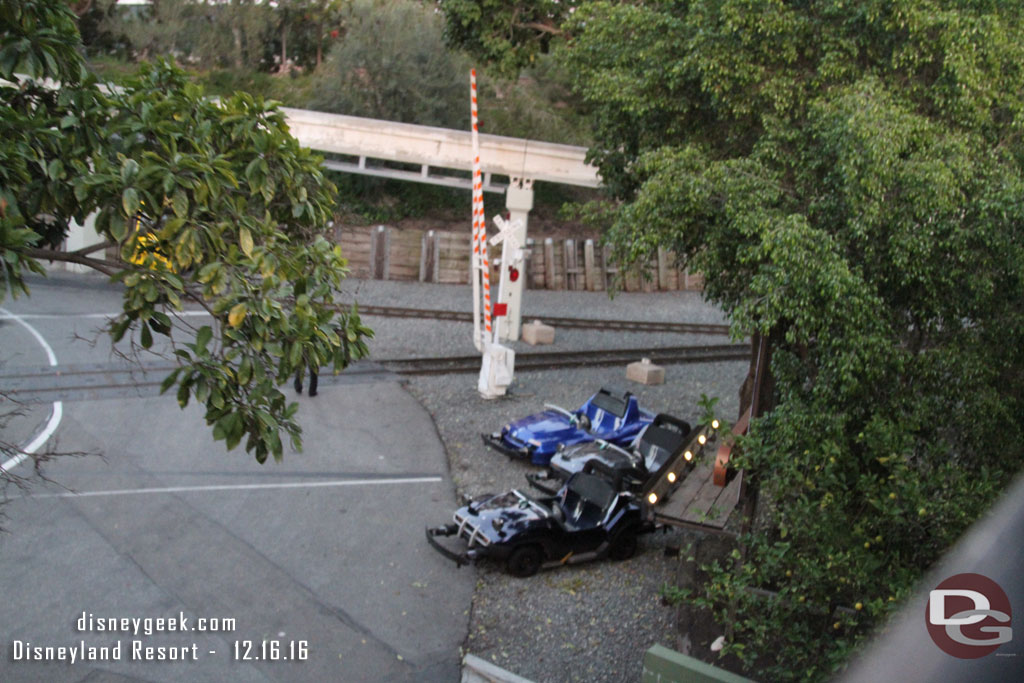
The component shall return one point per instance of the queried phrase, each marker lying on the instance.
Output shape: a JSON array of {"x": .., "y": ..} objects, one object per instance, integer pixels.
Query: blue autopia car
[
  {"x": 587, "y": 519},
  {"x": 657, "y": 447},
  {"x": 610, "y": 415}
]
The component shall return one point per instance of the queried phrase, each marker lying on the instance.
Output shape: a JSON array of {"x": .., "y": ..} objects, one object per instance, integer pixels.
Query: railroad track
[
  {"x": 555, "y": 321},
  {"x": 98, "y": 381},
  {"x": 553, "y": 360}
]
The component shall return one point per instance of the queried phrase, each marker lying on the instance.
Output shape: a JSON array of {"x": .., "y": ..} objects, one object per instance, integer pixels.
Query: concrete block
[
  {"x": 538, "y": 333},
  {"x": 645, "y": 372}
]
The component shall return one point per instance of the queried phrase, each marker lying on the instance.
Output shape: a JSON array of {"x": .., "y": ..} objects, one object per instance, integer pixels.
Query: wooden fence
[{"x": 384, "y": 253}]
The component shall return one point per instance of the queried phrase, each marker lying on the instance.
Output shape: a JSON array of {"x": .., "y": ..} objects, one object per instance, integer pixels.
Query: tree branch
[
  {"x": 93, "y": 247},
  {"x": 541, "y": 27},
  {"x": 104, "y": 266}
]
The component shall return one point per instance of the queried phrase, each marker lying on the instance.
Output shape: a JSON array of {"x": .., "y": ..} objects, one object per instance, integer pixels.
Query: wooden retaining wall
[{"x": 385, "y": 253}]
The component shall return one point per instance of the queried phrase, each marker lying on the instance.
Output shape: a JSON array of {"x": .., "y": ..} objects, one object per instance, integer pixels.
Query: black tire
[
  {"x": 524, "y": 561},
  {"x": 624, "y": 546}
]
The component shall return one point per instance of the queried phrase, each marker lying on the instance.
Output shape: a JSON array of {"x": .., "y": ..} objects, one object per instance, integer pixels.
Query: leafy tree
[
  {"x": 538, "y": 105},
  {"x": 304, "y": 27},
  {"x": 323, "y": 23},
  {"x": 848, "y": 177},
  {"x": 213, "y": 203},
  {"x": 147, "y": 31},
  {"x": 238, "y": 33},
  {"x": 510, "y": 35},
  {"x": 392, "y": 64}
]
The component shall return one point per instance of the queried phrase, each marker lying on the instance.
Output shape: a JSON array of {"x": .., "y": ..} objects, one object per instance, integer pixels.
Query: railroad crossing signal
[
  {"x": 511, "y": 261},
  {"x": 511, "y": 250}
]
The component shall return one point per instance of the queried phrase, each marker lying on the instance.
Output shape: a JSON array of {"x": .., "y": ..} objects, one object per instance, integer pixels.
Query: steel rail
[
  {"x": 556, "y": 321},
  {"x": 552, "y": 360},
  {"x": 37, "y": 384}
]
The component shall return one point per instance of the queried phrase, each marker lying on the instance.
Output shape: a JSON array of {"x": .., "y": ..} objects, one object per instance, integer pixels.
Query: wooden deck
[{"x": 697, "y": 502}]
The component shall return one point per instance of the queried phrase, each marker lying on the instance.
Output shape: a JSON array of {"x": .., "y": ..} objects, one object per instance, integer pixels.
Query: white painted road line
[
  {"x": 56, "y": 413},
  {"x": 6, "y": 315},
  {"x": 243, "y": 487}
]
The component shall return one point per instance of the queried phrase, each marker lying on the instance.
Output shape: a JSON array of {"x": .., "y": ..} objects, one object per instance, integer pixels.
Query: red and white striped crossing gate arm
[{"x": 479, "y": 220}]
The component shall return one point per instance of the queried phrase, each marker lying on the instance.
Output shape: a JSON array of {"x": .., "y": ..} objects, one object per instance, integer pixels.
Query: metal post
[{"x": 498, "y": 361}]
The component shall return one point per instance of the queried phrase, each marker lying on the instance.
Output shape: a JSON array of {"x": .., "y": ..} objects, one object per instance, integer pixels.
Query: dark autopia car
[
  {"x": 587, "y": 519},
  {"x": 646, "y": 458},
  {"x": 611, "y": 415}
]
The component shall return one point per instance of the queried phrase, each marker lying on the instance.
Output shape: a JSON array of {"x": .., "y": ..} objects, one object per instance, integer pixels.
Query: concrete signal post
[{"x": 519, "y": 202}]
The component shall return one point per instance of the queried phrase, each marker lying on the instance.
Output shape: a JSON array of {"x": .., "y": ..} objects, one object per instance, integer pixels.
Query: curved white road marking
[
  {"x": 244, "y": 487},
  {"x": 56, "y": 414},
  {"x": 4, "y": 315}
]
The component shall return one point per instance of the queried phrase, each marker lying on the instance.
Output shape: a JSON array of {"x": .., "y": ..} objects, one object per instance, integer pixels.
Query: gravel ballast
[{"x": 589, "y": 622}]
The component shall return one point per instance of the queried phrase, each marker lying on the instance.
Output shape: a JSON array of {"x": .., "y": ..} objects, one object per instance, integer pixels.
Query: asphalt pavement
[
  {"x": 320, "y": 558},
  {"x": 307, "y": 570}
]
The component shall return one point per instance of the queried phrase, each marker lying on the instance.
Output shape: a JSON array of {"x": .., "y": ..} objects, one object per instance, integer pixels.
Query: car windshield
[
  {"x": 657, "y": 445},
  {"x": 585, "y": 499},
  {"x": 612, "y": 404}
]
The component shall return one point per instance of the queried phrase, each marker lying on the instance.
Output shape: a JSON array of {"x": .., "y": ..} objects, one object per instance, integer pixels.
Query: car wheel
[
  {"x": 524, "y": 561},
  {"x": 624, "y": 546}
]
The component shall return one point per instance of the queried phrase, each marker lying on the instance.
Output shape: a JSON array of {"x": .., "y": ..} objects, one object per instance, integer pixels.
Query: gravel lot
[{"x": 589, "y": 622}]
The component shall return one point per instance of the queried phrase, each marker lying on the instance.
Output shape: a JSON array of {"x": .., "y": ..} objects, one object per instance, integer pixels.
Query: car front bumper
[
  {"x": 495, "y": 441},
  {"x": 465, "y": 557}
]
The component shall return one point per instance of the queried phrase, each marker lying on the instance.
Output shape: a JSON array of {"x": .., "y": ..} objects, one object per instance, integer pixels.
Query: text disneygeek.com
[{"x": 138, "y": 649}]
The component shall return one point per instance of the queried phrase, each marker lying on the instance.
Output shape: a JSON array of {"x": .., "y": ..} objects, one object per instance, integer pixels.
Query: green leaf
[
  {"x": 203, "y": 337},
  {"x": 129, "y": 172},
  {"x": 275, "y": 445},
  {"x": 207, "y": 272},
  {"x": 130, "y": 201},
  {"x": 180, "y": 203},
  {"x": 245, "y": 241},
  {"x": 245, "y": 371},
  {"x": 183, "y": 395},
  {"x": 268, "y": 421},
  {"x": 237, "y": 314},
  {"x": 118, "y": 227},
  {"x": 118, "y": 330},
  {"x": 169, "y": 381},
  {"x": 220, "y": 430}
]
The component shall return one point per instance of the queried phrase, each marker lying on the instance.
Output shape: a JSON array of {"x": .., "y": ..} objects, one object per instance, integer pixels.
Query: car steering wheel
[{"x": 583, "y": 421}]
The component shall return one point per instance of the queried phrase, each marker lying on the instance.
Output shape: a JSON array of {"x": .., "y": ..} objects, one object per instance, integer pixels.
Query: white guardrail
[{"x": 368, "y": 142}]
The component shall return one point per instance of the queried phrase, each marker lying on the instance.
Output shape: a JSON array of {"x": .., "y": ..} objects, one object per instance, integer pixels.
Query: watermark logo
[{"x": 968, "y": 616}]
